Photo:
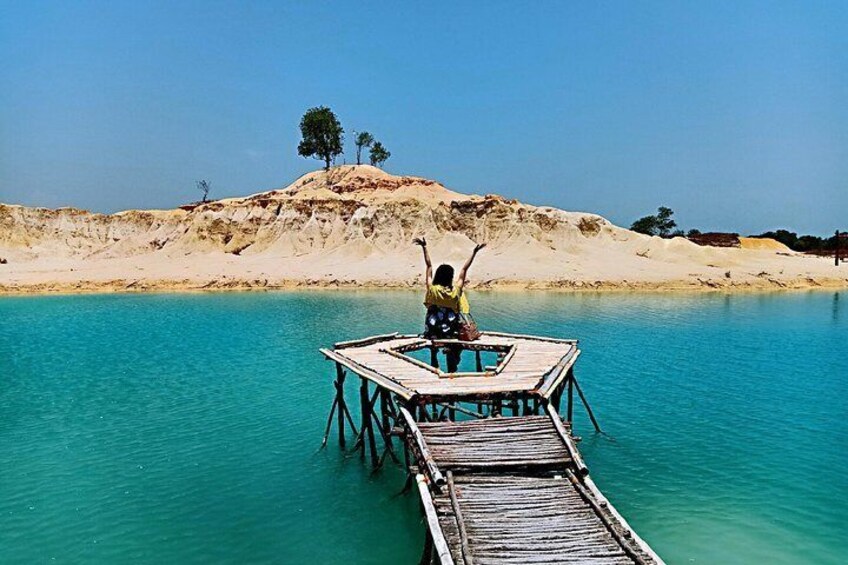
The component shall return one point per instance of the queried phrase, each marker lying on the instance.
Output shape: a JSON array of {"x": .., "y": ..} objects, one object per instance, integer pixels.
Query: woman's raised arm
[
  {"x": 460, "y": 283},
  {"x": 428, "y": 273}
]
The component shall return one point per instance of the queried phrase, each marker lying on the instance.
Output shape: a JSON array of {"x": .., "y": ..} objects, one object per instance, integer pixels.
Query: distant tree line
[
  {"x": 802, "y": 243},
  {"x": 662, "y": 224},
  {"x": 322, "y": 138}
]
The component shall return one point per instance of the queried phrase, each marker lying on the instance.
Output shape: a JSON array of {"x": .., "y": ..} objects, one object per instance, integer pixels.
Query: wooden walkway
[
  {"x": 495, "y": 490},
  {"x": 514, "y": 491}
]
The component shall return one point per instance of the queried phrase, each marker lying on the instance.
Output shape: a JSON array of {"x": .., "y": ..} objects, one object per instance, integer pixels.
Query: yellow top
[{"x": 438, "y": 295}]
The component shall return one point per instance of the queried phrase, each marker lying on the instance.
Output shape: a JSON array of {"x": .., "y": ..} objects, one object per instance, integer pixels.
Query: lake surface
[{"x": 185, "y": 428}]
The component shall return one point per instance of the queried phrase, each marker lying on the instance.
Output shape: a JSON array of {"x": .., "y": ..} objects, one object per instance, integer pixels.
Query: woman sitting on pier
[{"x": 448, "y": 313}]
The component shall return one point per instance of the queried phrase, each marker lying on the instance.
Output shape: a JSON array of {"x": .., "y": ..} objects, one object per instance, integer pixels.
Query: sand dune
[{"x": 353, "y": 226}]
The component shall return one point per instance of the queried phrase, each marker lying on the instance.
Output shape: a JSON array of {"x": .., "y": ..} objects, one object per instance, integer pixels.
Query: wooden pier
[{"x": 499, "y": 475}]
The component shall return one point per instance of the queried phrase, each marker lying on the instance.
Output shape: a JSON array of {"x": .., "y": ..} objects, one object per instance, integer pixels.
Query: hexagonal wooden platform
[{"x": 528, "y": 365}]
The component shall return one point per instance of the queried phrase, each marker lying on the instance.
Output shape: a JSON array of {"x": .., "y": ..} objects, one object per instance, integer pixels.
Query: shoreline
[{"x": 129, "y": 286}]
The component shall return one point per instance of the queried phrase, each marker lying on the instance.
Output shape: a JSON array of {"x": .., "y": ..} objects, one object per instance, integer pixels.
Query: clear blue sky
[{"x": 735, "y": 114}]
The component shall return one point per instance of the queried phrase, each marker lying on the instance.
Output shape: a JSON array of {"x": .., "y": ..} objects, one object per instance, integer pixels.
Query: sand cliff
[{"x": 353, "y": 226}]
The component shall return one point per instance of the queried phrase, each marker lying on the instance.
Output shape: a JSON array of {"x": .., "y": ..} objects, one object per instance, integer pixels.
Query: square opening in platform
[{"x": 475, "y": 359}]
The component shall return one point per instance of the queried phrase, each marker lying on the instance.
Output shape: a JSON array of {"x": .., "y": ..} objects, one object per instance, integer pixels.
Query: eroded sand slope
[{"x": 354, "y": 226}]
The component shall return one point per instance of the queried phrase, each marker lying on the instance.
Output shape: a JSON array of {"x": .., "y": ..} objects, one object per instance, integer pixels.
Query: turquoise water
[{"x": 185, "y": 428}]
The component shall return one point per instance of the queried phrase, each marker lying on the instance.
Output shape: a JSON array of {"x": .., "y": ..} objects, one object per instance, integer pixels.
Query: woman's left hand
[{"x": 478, "y": 247}]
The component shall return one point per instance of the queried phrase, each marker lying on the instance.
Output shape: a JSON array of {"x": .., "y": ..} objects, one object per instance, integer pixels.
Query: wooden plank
[
  {"x": 365, "y": 341},
  {"x": 426, "y": 458},
  {"x": 377, "y": 378},
  {"x": 439, "y": 542},
  {"x": 582, "y": 470},
  {"x": 531, "y": 337},
  {"x": 413, "y": 360},
  {"x": 471, "y": 345},
  {"x": 510, "y": 354},
  {"x": 412, "y": 346},
  {"x": 549, "y": 384},
  {"x": 465, "y": 375},
  {"x": 457, "y": 512}
]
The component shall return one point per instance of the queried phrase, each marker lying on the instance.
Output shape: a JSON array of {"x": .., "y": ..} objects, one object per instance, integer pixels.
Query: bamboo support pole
[
  {"x": 340, "y": 378},
  {"x": 459, "y": 408},
  {"x": 385, "y": 433},
  {"x": 556, "y": 397},
  {"x": 367, "y": 421},
  {"x": 330, "y": 423},
  {"x": 340, "y": 409},
  {"x": 384, "y": 408},
  {"x": 585, "y": 403}
]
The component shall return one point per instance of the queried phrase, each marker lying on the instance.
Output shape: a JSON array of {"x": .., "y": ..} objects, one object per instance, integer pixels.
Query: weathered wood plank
[
  {"x": 379, "y": 379},
  {"x": 439, "y": 542},
  {"x": 582, "y": 470},
  {"x": 365, "y": 341},
  {"x": 426, "y": 458}
]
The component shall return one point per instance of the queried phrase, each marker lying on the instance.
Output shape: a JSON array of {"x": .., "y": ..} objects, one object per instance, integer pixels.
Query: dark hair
[{"x": 444, "y": 276}]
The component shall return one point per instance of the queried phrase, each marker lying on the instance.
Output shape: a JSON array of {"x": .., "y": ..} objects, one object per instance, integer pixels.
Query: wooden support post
[
  {"x": 367, "y": 424},
  {"x": 340, "y": 378},
  {"x": 384, "y": 409},
  {"x": 385, "y": 433},
  {"x": 569, "y": 407},
  {"x": 556, "y": 397},
  {"x": 434, "y": 356},
  {"x": 586, "y": 404},
  {"x": 330, "y": 423},
  {"x": 479, "y": 359},
  {"x": 497, "y": 407},
  {"x": 340, "y": 409}
]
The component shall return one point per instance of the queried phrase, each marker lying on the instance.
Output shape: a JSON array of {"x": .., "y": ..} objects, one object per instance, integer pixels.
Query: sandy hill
[{"x": 354, "y": 225}]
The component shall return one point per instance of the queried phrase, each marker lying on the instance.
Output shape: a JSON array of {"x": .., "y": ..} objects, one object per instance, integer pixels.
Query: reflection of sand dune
[
  {"x": 353, "y": 226},
  {"x": 763, "y": 243}
]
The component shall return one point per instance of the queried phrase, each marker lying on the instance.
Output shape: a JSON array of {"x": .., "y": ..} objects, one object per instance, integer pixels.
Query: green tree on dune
[
  {"x": 204, "y": 187},
  {"x": 379, "y": 154},
  {"x": 660, "y": 224},
  {"x": 362, "y": 139},
  {"x": 323, "y": 135}
]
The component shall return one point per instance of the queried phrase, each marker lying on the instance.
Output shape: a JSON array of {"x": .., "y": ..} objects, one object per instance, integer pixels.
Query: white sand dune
[{"x": 353, "y": 226}]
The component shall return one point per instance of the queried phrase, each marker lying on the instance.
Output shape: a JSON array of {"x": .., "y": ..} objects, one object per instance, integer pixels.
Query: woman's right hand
[{"x": 420, "y": 241}]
